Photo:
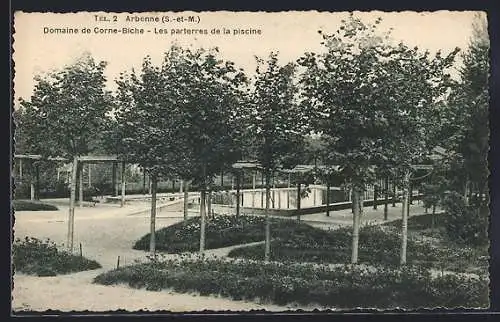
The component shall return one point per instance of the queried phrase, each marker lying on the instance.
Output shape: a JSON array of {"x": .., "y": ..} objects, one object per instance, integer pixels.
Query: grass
[
  {"x": 294, "y": 241},
  {"x": 29, "y": 205},
  {"x": 378, "y": 245},
  {"x": 223, "y": 231},
  {"x": 452, "y": 255},
  {"x": 342, "y": 287},
  {"x": 36, "y": 257}
]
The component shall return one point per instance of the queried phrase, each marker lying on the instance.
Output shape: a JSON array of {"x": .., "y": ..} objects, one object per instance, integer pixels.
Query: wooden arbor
[
  {"x": 239, "y": 167},
  {"x": 77, "y": 167},
  {"x": 22, "y": 159}
]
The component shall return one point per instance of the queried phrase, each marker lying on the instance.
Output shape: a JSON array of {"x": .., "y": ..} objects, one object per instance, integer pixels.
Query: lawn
[
  {"x": 341, "y": 287},
  {"x": 36, "y": 257}
]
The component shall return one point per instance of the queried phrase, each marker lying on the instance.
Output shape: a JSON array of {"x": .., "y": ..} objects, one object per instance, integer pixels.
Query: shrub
[
  {"x": 28, "y": 205},
  {"x": 36, "y": 257},
  {"x": 343, "y": 286},
  {"x": 466, "y": 224}
]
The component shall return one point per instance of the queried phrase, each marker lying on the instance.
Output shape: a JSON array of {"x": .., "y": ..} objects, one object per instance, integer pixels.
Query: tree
[
  {"x": 415, "y": 88},
  {"x": 465, "y": 131},
  {"x": 275, "y": 124},
  {"x": 66, "y": 111},
  {"x": 467, "y": 118},
  {"x": 338, "y": 86},
  {"x": 145, "y": 130},
  {"x": 374, "y": 102},
  {"x": 208, "y": 122}
]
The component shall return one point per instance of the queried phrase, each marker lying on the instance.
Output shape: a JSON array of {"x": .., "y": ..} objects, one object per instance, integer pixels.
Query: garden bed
[
  {"x": 340, "y": 287},
  {"x": 36, "y": 257},
  {"x": 224, "y": 231},
  {"x": 30, "y": 205},
  {"x": 294, "y": 241},
  {"x": 377, "y": 246}
]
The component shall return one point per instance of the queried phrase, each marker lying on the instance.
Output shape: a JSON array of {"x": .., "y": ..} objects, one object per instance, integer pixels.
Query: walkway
[
  {"x": 105, "y": 233},
  {"x": 108, "y": 231}
]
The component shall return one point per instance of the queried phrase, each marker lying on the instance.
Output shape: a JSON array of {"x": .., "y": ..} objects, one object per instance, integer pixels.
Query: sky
[{"x": 37, "y": 51}]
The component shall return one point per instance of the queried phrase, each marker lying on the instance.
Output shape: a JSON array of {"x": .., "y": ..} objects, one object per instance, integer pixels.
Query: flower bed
[
  {"x": 341, "y": 287},
  {"x": 28, "y": 205},
  {"x": 377, "y": 246},
  {"x": 421, "y": 222},
  {"x": 35, "y": 257},
  {"x": 223, "y": 231}
]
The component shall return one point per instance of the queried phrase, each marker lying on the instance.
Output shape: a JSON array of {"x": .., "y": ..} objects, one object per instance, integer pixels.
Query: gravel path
[{"x": 105, "y": 233}]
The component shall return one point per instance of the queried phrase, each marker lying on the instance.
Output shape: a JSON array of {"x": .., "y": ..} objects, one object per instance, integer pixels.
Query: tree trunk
[
  {"x": 152, "y": 230},
  {"x": 122, "y": 200},
  {"x": 237, "y": 194},
  {"x": 32, "y": 190},
  {"x": 386, "y": 198},
  {"x": 90, "y": 175},
  {"x": 375, "y": 196},
  {"x": 353, "y": 204},
  {"x": 21, "y": 169},
  {"x": 80, "y": 185},
  {"x": 410, "y": 194},
  {"x": 288, "y": 193},
  {"x": 267, "y": 254},
  {"x": 143, "y": 181},
  {"x": 202, "y": 218},
  {"x": 404, "y": 221},
  {"x": 37, "y": 182},
  {"x": 433, "y": 218},
  {"x": 357, "y": 200},
  {"x": 393, "y": 194},
  {"x": 203, "y": 198},
  {"x": 298, "y": 201},
  {"x": 262, "y": 194},
  {"x": 72, "y": 197},
  {"x": 209, "y": 203},
  {"x": 115, "y": 186},
  {"x": 328, "y": 199},
  {"x": 274, "y": 194},
  {"x": 186, "y": 201},
  {"x": 408, "y": 203},
  {"x": 466, "y": 190}
]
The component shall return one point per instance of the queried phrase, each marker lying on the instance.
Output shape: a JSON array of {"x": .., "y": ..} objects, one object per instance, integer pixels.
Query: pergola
[
  {"x": 31, "y": 158},
  {"x": 88, "y": 159},
  {"x": 239, "y": 167},
  {"x": 76, "y": 170},
  {"x": 299, "y": 169}
]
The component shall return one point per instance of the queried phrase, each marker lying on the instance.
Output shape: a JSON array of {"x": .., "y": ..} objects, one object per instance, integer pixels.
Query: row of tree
[{"x": 372, "y": 108}]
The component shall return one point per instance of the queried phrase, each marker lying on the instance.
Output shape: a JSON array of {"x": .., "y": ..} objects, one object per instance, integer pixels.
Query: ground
[{"x": 108, "y": 231}]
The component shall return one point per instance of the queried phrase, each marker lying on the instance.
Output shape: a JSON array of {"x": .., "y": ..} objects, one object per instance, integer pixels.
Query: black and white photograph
[{"x": 239, "y": 161}]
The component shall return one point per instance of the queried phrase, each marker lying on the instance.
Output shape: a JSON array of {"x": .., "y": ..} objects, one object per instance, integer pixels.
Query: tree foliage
[
  {"x": 275, "y": 125},
  {"x": 67, "y": 110},
  {"x": 466, "y": 119}
]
